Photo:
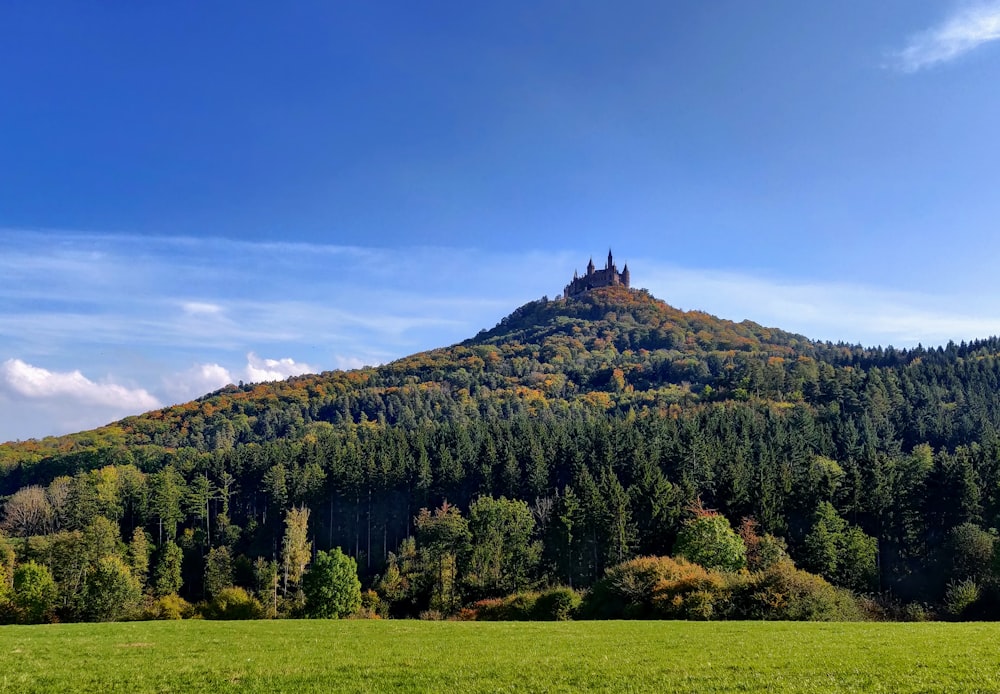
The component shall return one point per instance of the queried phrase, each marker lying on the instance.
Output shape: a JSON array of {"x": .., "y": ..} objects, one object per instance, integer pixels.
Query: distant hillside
[{"x": 634, "y": 407}]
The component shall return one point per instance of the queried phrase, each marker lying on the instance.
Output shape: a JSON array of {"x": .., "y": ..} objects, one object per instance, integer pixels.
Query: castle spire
[
  {"x": 611, "y": 262},
  {"x": 590, "y": 266}
]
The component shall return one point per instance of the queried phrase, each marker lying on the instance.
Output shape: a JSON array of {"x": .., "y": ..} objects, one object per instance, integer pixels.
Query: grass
[{"x": 372, "y": 656}]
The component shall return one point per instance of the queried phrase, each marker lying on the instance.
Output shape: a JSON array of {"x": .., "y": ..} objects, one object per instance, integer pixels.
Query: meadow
[{"x": 377, "y": 656}]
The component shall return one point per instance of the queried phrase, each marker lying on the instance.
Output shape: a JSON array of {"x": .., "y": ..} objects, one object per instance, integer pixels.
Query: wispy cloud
[
  {"x": 836, "y": 311},
  {"x": 966, "y": 30},
  {"x": 168, "y": 319}
]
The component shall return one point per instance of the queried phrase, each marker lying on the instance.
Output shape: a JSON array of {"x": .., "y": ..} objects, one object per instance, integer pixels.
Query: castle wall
[{"x": 607, "y": 277}]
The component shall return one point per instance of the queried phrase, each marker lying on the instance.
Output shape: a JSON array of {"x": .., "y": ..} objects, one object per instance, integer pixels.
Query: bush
[
  {"x": 372, "y": 606},
  {"x": 170, "y": 606},
  {"x": 666, "y": 588},
  {"x": 556, "y": 604},
  {"x": 698, "y": 594},
  {"x": 627, "y": 590},
  {"x": 232, "y": 603},
  {"x": 519, "y": 607},
  {"x": 785, "y": 592},
  {"x": 960, "y": 598},
  {"x": 915, "y": 612}
]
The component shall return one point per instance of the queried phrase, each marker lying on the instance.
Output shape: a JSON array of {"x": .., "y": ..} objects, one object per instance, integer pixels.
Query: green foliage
[
  {"x": 35, "y": 593},
  {"x": 784, "y": 592},
  {"x": 607, "y": 416},
  {"x": 331, "y": 586},
  {"x": 168, "y": 579},
  {"x": 709, "y": 540},
  {"x": 232, "y": 603},
  {"x": 138, "y": 555},
  {"x": 218, "y": 571},
  {"x": 443, "y": 540},
  {"x": 673, "y": 588},
  {"x": 556, "y": 604},
  {"x": 972, "y": 552},
  {"x": 839, "y": 552},
  {"x": 112, "y": 592},
  {"x": 295, "y": 547},
  {"x": 503, "y": 555},
  {"x": 169, "y": 607},
  {"x": 961, "y": 597}
]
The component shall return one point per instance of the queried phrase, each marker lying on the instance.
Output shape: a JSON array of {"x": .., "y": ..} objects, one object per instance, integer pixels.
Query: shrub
[
  {"x": 232, "y": 603},
  {"x": 785, "y": 592},
  {"x": 556, "y": 604},
  {"x": 170, "y": 606},
  {"x": 372, "y": 606},
  {"x": 960, "y": 597},
  {"x": 627, "y": 590},
  {"x": 698, "y": 594}
]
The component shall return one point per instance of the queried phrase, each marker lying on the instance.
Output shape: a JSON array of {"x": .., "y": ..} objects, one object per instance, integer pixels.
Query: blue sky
[{"x": 197, "y": 193}]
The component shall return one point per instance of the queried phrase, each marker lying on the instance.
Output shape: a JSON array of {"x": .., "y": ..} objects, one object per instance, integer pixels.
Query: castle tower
[{"x": 595, "y": 279}]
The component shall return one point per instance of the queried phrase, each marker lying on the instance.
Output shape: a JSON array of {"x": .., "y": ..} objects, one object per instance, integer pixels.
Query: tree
[
  {"x": 167, "y": 574},
  {"x": 112, "y": 592},
  {"x": 503, "y": 555},
  {"x": 138, "y": 555},
  {"x": 331, "y": 586},
  {"x": 218, "y": 571},
  {"x": 443, "y": 541},
  {"x": 166, "y": 491},
  {"x": 972, "y": 550},
  {"x": 6, "y": 574},
  {"x": 28, "y": 512},
  {"x": 35, "y": 593},
  {"x": 295, "y": 547},
  {"x": 265, "y": 576},
  {"x": 839, "y": 552},
  {"x": 565, "y": 533},
  {"x": 709, "y": 540},
  {"x": 101, "y": 539}
]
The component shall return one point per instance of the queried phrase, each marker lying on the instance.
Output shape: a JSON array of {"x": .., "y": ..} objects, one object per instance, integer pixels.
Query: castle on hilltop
[{"x": 608, "y": 277}]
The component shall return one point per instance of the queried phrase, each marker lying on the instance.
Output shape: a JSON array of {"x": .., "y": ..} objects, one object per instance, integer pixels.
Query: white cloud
[
  {"x": 274, "y": 369},
  {"x": 349, "y": 363},
  {"x": 197, "y": 381},
  {"x": 964, "y": 31},
  {"x": 37, "y": 383}
]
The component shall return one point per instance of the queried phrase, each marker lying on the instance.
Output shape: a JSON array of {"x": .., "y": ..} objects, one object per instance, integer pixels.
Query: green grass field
[{"x": 363, "y": 656}]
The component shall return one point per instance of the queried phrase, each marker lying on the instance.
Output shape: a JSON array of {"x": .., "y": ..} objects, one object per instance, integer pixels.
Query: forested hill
[{"x": 614, "y": 410}]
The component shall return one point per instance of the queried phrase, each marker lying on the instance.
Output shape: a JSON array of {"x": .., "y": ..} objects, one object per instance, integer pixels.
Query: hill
[{"x": 613, "y": 401}]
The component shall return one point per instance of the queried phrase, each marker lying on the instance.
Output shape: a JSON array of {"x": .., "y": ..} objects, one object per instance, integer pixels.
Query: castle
[{"x": 608, "y": 277}]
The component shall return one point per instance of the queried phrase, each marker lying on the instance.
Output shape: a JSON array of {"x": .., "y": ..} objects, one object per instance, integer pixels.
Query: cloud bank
[
  {"x": 964, "y": 31},
  {"x": 37, "y": 383}
]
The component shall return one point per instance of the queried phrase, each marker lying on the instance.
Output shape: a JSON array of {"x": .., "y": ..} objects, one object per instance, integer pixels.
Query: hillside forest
[{"x": 607, "y": 455}]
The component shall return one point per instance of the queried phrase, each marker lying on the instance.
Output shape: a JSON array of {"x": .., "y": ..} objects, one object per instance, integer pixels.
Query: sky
[{"x": 195, "y": 194}]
